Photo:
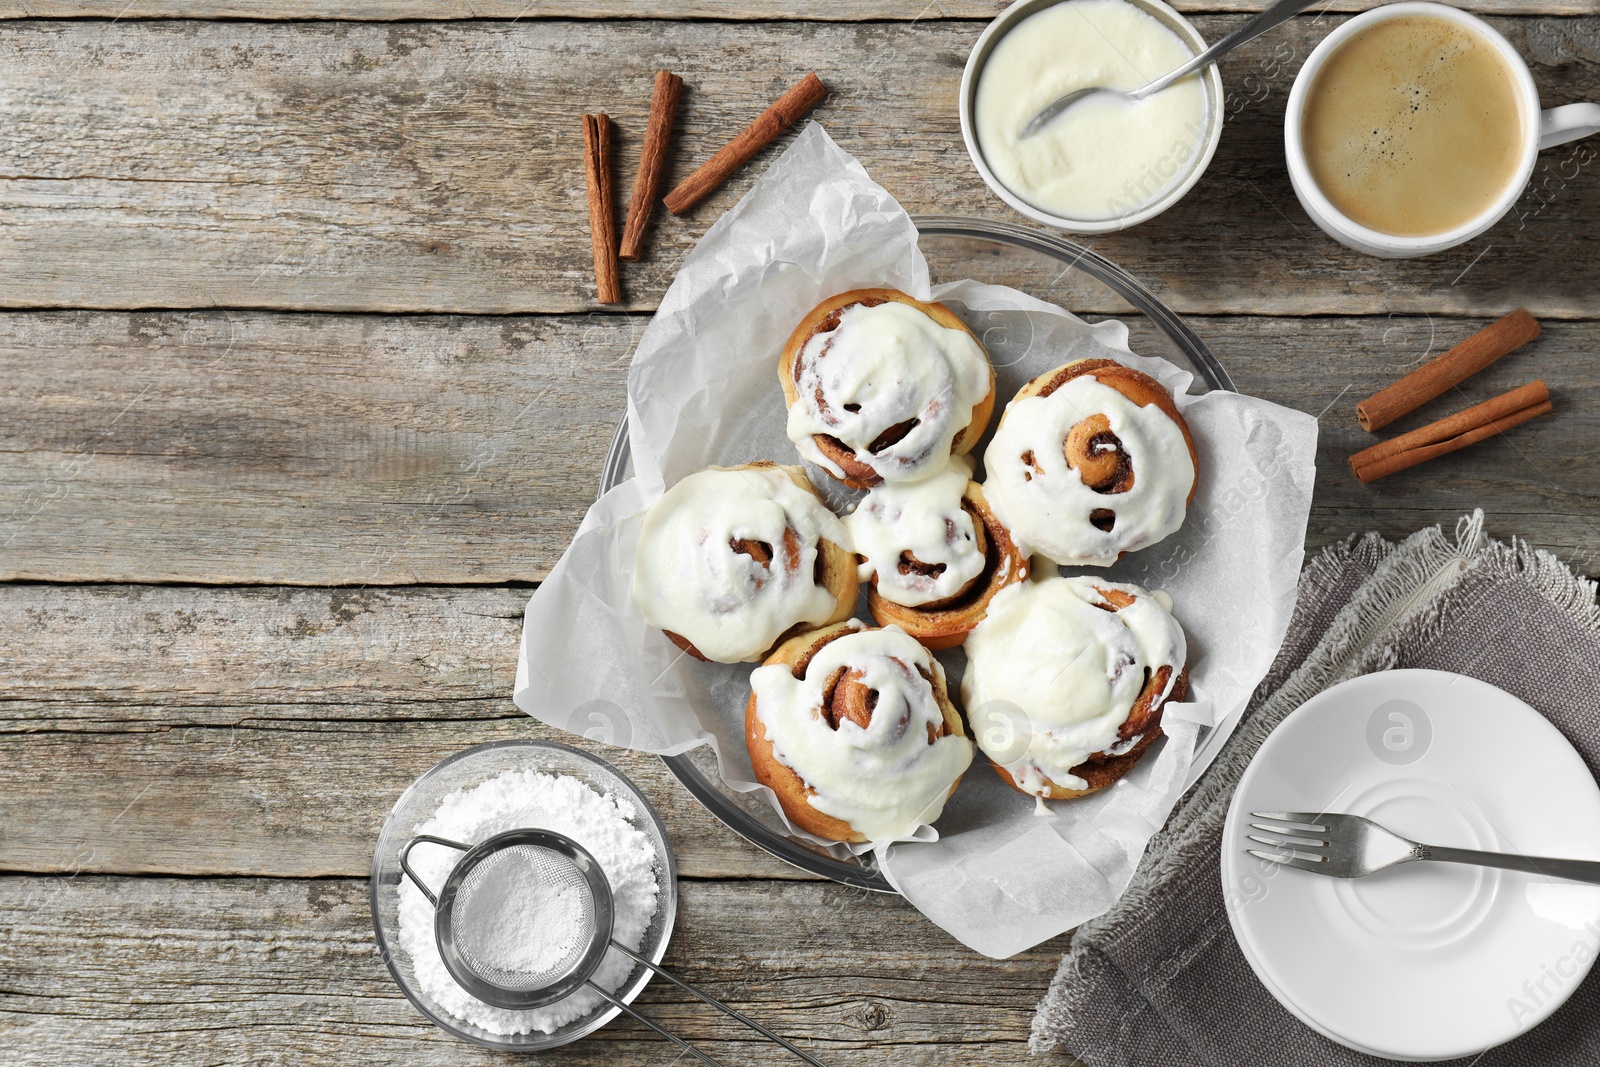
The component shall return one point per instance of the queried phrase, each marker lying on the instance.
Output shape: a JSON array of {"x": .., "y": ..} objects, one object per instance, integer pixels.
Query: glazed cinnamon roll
[
  {"x": 733, "y": 560},
  {"x": 935, "y": 554},
  {"x": 1067, "y": 679},
  {"x": 854, "y": 731},
  {"x": 1091, "y": 461},
  {"x": 883, "y": 388}
]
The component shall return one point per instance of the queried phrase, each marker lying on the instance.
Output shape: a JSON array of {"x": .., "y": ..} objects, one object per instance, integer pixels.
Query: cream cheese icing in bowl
[{"x": 1104, "y": 164}]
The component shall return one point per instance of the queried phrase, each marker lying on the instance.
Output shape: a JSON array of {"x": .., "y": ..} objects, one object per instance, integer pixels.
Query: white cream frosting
[
  {"x": 1052, "y": 675},
  {"x": 689, "y": 579},
  {"x": 884, "y": 780},
  {"x": 892, "y": 363},
  {"x": 1046, "y": 505},
  {"x": 924, "y": 519},
  {"x": 1104, "y": 157}
]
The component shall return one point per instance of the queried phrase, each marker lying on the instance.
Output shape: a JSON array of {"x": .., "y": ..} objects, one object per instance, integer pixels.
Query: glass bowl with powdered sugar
[{"x": 507, "y": 785}]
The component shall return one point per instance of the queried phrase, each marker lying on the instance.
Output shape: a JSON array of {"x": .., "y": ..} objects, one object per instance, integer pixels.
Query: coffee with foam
[{"x": 1414, "y": 126}]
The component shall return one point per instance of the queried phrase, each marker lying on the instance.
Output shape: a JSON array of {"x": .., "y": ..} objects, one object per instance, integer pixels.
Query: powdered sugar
[
  {"x": 537, "y": 932},
  {"x": 519, "y": 921}
]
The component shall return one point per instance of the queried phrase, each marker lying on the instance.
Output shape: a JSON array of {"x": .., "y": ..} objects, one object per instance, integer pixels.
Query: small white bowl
[{"x": 1002, "y": 25}]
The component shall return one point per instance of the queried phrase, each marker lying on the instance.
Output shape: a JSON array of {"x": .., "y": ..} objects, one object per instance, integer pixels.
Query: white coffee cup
[{"x": 1542, "y": 129}]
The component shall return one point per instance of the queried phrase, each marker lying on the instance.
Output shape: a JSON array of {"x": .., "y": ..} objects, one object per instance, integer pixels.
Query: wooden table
[{"x": 304, "y": 388}]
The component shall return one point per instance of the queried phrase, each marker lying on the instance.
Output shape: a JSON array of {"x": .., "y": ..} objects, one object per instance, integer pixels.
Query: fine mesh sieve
[
  {"x": 550, "y": 945},
  {"x": 541, "y": 877}
]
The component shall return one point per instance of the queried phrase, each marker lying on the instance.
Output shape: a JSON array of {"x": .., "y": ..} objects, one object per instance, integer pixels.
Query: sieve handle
[
  {"x": 663, "y": 1031},
  {"x": 715, "y": 1003},
  {"x": 405, "y": 864}
]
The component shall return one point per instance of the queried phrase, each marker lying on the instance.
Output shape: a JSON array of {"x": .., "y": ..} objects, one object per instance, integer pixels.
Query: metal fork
[{"x": 1348, "y": 846}]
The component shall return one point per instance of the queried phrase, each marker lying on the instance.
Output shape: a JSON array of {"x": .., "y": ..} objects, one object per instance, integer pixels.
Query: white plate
[{"x": 1425, "y": 961}]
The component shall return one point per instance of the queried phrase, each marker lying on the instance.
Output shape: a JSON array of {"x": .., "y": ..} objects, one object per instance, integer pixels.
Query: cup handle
[{"x": 1569, "y": 122}]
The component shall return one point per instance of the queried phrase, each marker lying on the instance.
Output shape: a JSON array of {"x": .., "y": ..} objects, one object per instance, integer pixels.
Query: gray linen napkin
[{"x": 1159, "y": 979}]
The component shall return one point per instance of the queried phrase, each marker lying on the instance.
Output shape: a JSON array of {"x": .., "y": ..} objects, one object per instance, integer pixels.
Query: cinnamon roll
[
  {"x": 934, "y": 552},
  {"x": 854, "y": 731},
  {"x": 733, "y": 560},
  {"x": 883, "y": 388},
  {"x": 1090, "y": 462},
  {"x": 1067, "y": 679}
]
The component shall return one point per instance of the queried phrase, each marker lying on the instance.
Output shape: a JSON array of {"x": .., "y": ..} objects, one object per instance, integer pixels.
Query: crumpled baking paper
[{"x": 1002, "y": 873}]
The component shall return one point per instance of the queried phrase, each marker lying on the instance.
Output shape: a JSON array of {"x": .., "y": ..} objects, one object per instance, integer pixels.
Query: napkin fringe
[
  {"x": 1405, "y": 579},
  {"x": 1569, "y": 591}
]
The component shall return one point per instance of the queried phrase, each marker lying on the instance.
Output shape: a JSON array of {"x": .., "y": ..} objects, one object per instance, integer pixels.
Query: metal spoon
[{"x": 1261, "y": 23}]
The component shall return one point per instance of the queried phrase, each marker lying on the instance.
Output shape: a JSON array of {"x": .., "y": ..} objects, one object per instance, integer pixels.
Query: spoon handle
[{"x": 1281, "y": 11}]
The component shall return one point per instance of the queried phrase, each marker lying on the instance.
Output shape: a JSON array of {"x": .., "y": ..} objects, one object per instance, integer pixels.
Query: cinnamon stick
[
  {"x": 790, "y": 108},
  {"x": 652, "y": 162},
  {"x": 1452, "y": 433},
  {"x": 602, "y": 213},
  {"x": 1454, "y": 367}
]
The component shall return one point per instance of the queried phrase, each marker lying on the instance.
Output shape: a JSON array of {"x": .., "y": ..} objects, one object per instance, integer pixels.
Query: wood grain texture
[
  {"x": 301, "y": 449},
  {"x": 183, "y": 730},
  {"x": 224, "y": 447},
  {"x": 93, "y": 658},
  {"x": 288, "y": 799},
  {"x": 264, "y": 728},
  {"x": 435, "y": 166},
  {"x": 156, "y": 971},
  {"x": 529, "y": 10},
  {"x": 1539, "y": 482}
]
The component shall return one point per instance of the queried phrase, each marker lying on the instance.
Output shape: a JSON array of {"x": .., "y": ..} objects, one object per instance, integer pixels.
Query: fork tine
[
  {"x": 1320, "y": 838},
  {"x": 1289, "y": 842},
  {"x": 1315, "y": 866},
  {"x": 1311, "y": 820}
]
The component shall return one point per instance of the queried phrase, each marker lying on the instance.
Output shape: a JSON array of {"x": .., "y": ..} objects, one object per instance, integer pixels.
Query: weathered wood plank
[
  {"x": 1539, "y": 482},
  {"x": 153, "y": 657},
  {"x": 182, "y": 730},
  {"x": 519, "y": 10},
  {"x": 433, "y": 166},
  {"x": 286, "y": 799},
  {"x": 301, "y": 449},
  {"x": 287, "y": 972},
  {"x": 250, "y": 447}
]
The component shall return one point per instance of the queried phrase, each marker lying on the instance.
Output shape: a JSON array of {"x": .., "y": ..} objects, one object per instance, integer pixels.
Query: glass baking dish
[{"x": 1042, "y": 265}]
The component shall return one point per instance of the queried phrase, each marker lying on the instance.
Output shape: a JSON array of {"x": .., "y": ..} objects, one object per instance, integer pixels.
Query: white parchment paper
[{"x": 999, "y": 875}]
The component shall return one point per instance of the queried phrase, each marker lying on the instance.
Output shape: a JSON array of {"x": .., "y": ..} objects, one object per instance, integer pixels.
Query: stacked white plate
[{"x": 1425, "y": 961}]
